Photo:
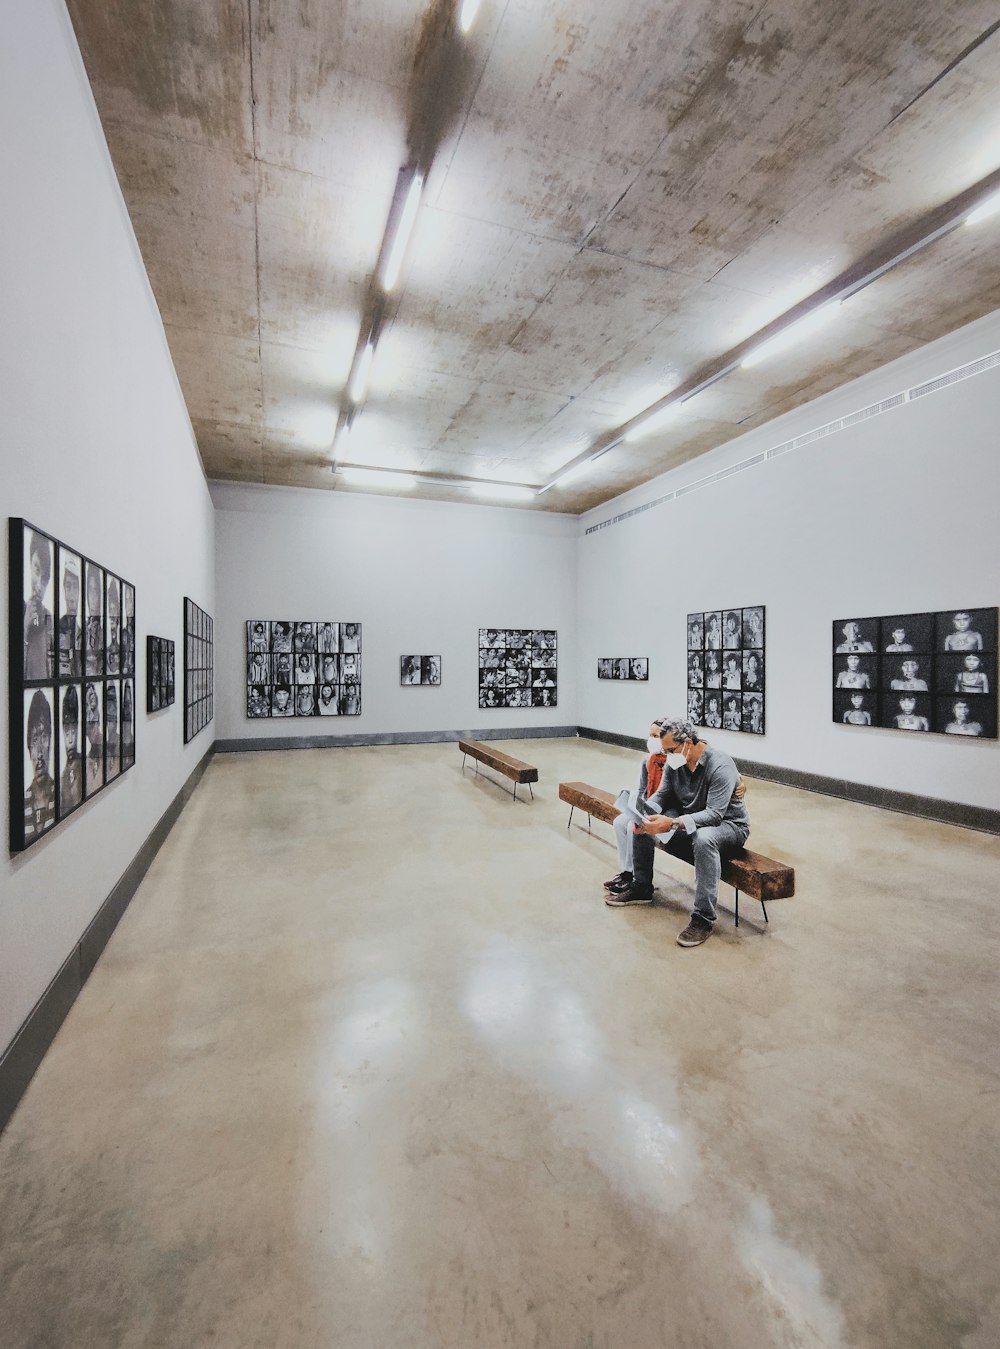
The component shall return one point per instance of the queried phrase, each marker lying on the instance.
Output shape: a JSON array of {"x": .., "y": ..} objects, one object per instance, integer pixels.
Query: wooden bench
[
  {"x": 515, "y": 769},
  {"x": 760, "y": 877}
]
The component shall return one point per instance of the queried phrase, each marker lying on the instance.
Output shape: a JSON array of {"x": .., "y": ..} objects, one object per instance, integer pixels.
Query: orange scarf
[{"x": 654, "y": 772}]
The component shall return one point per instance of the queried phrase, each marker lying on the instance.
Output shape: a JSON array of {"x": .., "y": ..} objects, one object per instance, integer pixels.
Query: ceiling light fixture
[
  {"x": 651, "y": 420},
  {"x": 407, "y": 219},
  {"x": 377, "y": 477},
  {"x": 795, "y": 332},
  {"x": 359, "y": 380},
  {"x": 989, "y": 207},
  {"x": 503, "y": 490},
  {"x": 467, "y": 14}
]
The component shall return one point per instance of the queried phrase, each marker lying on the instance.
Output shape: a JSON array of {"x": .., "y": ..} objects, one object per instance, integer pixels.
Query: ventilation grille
[{"x": 811, "y": 437}]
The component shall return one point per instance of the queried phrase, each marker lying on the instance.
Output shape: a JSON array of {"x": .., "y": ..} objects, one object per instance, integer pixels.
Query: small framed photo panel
[
  {"x": 857, "y": 635},
  {"x": 855, "y": 672},
  {"x": 902, "y": 633},
  {"x": 39, "y": 660},
  {"x": 732, "y": 670},
  {"x": 541, "y": 697},
  {"x": 907, "y": 711},
  {"x": 350, "y": 700},
  {"x": 712, "y": 717},
  {"x": 128, "y": 629},
  {"x": 281, "y": 636},
  {"x": 39, "y": 787},
  {"x": 328, "y": 668},
  {"x": 258, "y": 635},
  {"x": 93, "y": 730},
  {"x": 696, "y": 705},
  {"x": 713, "y": 669},
  {"x": 112, "y": 731},
  {"x": 350, "y": 668},
  {"x": 327, "y": 638},
  {"x": 282, "y": 670},
  {"x": 70, "y": 639},
  {"x": 639, "y": 668},
  {"x": 732, "y": 630},
  {"x": 305, "y": 668},
  {"x": 350, "y": 638},
  {"x": 696, "y": 670},
  {"x": 305, "y": 700},
  {"x": 430, "y": 670},
  {"x": 604, "y": 667},
  {"x": 906, "y": 673},
  {"x": 973, "y": 673},
  {"x": 856, "y": 707},
  {"x": 94, "y": 629},
  {"x": 732, "y": 711},
  {"x": 70, "y": 794},
  {"x": 304, "y": 638},
  {"x": 713, "y": 630},
  {"x": 128, "y": 723},
  {"x": 969, "y": 715},
  {"x": 963, "y": 630},
  {"x": 753, "y": 672},
  {"x": 409, "y": 670},
  {"x": 259, "y": 700},
  {"x": 112, "y": 625},
  {"x": 258, "y": 668},
  {"x": 490, "y": 697},
  {"x": 695, "y": 632},
  {"x": 328, "y": 700},
  {"x": 753, "y": 627},
  {"x": 753, "y": 714}
]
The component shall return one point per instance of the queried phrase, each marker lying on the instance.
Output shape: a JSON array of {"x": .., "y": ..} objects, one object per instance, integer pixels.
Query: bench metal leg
[
  {"x": 515, "y": 791},
  {"x": 588, "y": 824},
  {"x": 737, "y": 908},
  {"x": 570, "y": 820},
  {"x": 531, "y": 792},
  {"x": 764, "y": 907}
]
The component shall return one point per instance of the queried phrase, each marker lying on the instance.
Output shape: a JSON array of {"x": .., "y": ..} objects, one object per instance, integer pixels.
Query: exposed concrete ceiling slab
[{"x": 620, "y": 194}]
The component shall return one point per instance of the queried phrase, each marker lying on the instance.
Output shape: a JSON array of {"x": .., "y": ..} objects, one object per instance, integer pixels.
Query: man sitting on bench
[{"x": 698, "y": 809}]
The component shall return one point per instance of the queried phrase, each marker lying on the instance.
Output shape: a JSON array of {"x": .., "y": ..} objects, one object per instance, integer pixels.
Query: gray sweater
[{"x": 705, "y": 796}]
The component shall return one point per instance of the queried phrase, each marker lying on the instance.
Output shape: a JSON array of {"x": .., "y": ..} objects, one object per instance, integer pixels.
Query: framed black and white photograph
[
  {"x": 415, "y": 670},
  {"x": 302, "y": 668},
  {"x": 64, "y": 618},
  {"x": 725, "y": 672},
  {"x": 518, "y": 667},
  {"x": 199, "y": 669},
  {"x": 924, "y": 673},
  {"x": 127, "y": 723},
  {"x": 160, "y": 666},
  {"x": 623, "y": 667}
]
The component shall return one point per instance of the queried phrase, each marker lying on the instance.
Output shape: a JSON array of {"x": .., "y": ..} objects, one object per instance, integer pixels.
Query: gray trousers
[
  {"x": 624, "y": 836},
  {"x": 706, "y": 848}
]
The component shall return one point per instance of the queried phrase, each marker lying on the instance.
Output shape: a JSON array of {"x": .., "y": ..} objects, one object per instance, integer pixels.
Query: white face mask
[
  {"x": 676, "y": 761},
  {"x": 653, "y": 745}
]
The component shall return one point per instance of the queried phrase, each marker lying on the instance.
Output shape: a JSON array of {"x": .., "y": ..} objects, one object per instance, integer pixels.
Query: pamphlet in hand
[{"x": 634, "y": 814}]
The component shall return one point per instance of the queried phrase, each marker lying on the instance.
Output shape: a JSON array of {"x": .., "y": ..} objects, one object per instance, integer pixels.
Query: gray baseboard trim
[
  {"x": 980, "y": 818},
  {"x": 393, "y": 738},
  {"x": 25, "y": 1052}
]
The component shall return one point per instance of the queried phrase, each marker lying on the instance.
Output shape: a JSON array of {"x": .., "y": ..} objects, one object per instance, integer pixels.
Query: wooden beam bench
[
  {"x": 760, "y": 877},
  {"x": 516, "y": 769}
]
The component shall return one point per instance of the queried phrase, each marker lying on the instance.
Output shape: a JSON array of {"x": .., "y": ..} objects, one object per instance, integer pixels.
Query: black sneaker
[
  {"x": 635, "y": 894},
  {"x": 695, "y": 933},
  {"x": 620, "y": 882}
]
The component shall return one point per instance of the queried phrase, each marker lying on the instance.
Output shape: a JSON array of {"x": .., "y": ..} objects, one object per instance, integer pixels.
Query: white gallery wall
[
  {"x": 895, "y": 514},
  {"x": 422, "y": 577},
  {"x": 96, "y": 448}
]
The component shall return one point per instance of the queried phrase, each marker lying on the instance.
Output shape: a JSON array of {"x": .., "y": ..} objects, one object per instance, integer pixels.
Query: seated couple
[{"x": 696, "y": 794}]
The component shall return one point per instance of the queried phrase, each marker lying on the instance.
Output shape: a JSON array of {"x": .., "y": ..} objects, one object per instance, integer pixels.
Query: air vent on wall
[{"x": 977, "y": 367}]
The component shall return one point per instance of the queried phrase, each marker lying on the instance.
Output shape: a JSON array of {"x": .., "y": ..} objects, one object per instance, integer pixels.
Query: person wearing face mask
[{"x": 699, "y": 816}]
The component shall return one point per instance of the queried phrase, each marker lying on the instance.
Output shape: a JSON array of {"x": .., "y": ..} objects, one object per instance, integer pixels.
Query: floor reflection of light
[
  {"x": 791, "y": 1279},
  {"x": 499, "y": 995}
]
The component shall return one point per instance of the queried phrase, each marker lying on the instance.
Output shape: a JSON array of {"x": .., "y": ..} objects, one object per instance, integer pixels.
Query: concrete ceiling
[{"x": 620, "y": 192}]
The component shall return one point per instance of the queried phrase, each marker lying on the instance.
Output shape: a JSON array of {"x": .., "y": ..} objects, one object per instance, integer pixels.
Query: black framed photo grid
[
  {"x": 725, "y": 669},
  {"x": 71, "y": 680},
  {"x": 623, "y": 667},
  {"x": 931, "y": 672},
  {"x": 414, "y": 670},
  {"x": 304, "y": 668},
  {"x": 199, "y": 669},
  {"x": 160, "y": 673},
  {"x": 518, "y": 667}
]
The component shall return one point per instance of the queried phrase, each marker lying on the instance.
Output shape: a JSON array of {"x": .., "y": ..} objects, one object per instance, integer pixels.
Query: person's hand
[
  {"x": 655, "y": 824},
  {"x": 741, "y": 789}
]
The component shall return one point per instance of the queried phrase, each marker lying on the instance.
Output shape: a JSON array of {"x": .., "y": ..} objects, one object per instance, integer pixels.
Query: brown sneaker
[
  {"x": 635, "y": 894},
  {"x": 695, "y": 933},
  {"x": 620, "y": 882}
]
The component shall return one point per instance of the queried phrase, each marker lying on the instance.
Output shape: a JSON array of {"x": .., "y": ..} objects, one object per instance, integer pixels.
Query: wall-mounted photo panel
[
  {"x": 302, "y": 668},
  {"x": 415, "y": 670},
  {"x": 127, "y": 705},
  {"x": 930, "y": 672},
  {"x": 623, "y": 667},
  {"x": 725, "y": 674},
  {"x": 112, "y": 731},
  {"x": 199, "y": 669},
  {"x": 518, "y": 667},
  {"x": 93, "y": 730},
  {"x": 58, "y": 604},
  {"x": 160, "y": 666},
  {"x": 70, "y": 639},
  {"x": 128, "y": 629}
]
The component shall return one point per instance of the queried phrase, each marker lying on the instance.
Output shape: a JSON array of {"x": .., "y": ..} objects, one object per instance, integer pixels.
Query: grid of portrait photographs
[
  {"x": 72, "y": 680},
  {"x": 623, "y": 667},
  {"x": 199, "y": 669},
  {"x": 517, "y": 667},
  {"x": 918, "y": 672},
  {"x": 419, "y": 670},
  {"x": 725, "y": 669},
  {"x": 159, "y": 673},
  {"x": 308, "y": 669}
]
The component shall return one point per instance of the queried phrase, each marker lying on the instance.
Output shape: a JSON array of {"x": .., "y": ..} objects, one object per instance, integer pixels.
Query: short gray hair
[{"x": 678, "y": 729}]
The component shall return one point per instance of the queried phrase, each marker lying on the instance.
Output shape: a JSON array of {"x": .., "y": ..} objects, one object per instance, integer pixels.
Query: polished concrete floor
[{"x": 369, "y": 1065}]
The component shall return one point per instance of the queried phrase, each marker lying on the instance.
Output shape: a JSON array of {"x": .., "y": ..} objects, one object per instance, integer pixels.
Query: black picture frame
[
  {"x": 199, "y": 669},
  {"x": 623, "y": 669},
  {"x": 518, "y": 667},
  {"x": 302, "y": 668},
  {"x": 921, "y": 673},
  {"x": 59, "y": 752},
  {"x": 161, "y": 670},
  {"x": 726, "y": 669},
  {"x": 426, "y": 668}
]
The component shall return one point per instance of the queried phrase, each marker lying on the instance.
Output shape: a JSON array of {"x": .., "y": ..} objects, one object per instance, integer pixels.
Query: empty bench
[
  {"x": 760, "y": 877},
  {"x": 516, "y": 769}
]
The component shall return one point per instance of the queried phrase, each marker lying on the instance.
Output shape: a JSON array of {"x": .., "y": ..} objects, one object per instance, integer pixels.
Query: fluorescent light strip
[
  {"x": 407, "y": 219},
  {"x": 362, "y": 473},
  {"x": 359, "y": 380},
  {"x": 795, "y": 332},
  {"x": 467, "y": 14},
  {"x": 377, "y": 477},
  {"x": 501, "y": 490}
]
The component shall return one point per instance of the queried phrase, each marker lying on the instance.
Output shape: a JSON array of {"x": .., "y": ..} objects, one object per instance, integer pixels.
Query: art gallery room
[{"x": 503, "y": 818}]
